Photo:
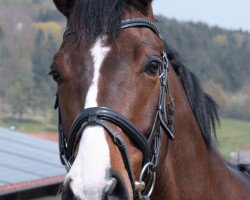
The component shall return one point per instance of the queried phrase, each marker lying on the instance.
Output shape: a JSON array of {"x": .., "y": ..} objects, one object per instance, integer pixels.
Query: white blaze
[
  {"x": 99, "y": 54},
  {"x": 88, "y": 173}
]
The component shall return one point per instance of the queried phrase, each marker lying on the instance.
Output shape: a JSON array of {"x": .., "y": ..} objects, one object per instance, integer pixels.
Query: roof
[{"x": 27, "y": 162}]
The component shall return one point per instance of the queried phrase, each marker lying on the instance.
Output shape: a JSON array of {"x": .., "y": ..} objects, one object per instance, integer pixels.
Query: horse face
[{"x": 121, "y": 74}]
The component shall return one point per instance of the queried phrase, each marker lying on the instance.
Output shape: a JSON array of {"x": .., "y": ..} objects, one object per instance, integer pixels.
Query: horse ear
[{"x": 65, "y": 6}]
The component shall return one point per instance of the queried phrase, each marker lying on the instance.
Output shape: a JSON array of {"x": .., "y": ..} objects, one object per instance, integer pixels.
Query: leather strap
[
  {"x": 140, "y": 22},
  {"x": 108, "y": 114}
]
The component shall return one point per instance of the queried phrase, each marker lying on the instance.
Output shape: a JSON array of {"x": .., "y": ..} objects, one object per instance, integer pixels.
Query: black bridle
[{"x": 150, "y": 147}]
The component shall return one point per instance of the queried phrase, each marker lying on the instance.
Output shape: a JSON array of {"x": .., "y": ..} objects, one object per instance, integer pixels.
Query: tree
[
  {"x": 51, "y": 48},
  {"x": 1, "y": 33},
  {"x": 39, "y": 70},
  {"x": 211, "y": 53},
  {"x": 19, "y": 94},
  {"x": 218, "y": 93},
  {"x": 44, "y": 49},
  {"x": 49, "y": 15}
]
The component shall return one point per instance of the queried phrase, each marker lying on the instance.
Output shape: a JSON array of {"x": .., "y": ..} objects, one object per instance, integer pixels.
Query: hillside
[
  {"x": 211, "y": 52},
  {"x": 31, "y": 32}
]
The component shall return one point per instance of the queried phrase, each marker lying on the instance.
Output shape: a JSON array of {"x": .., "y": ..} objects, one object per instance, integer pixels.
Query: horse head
[{"x": 111, "y": 71}]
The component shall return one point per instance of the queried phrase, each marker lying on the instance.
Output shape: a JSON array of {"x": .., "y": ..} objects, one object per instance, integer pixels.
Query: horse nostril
[
  {"x": 116, "y": 189},
  {"x": 111, "y": 187}
]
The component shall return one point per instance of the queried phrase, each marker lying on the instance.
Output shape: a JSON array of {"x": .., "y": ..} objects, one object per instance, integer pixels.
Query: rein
[{"x": 163, "y": 122}]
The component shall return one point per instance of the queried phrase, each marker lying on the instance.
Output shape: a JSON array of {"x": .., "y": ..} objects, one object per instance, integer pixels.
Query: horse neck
[{"x": 190, "y": 170}]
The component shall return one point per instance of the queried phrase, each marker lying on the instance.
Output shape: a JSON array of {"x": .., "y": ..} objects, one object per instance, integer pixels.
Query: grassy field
[{"x": 232, "y": 135}]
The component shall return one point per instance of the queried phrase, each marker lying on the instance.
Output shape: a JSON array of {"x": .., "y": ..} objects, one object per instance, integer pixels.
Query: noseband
[{"x": 150, "y": 147}]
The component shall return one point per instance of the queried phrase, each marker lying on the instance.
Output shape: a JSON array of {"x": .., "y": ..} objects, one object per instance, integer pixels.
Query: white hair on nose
[{"x": 88, "y": 174}]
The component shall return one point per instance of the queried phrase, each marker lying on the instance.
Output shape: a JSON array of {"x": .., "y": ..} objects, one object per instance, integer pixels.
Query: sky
[{"x": 229, "y": 14}]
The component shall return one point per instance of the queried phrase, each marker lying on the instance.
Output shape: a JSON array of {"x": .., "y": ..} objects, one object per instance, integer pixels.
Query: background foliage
[
  {"x": 30, "y": 37},
  {"x": 210, "y": 52},
  {"x": 219, "y": 57}
]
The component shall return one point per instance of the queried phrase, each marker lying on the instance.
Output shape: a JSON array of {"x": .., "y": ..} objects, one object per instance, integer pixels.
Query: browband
[
  {"x": 127, "y": 23},
  {"x": 140, "y": 22}
]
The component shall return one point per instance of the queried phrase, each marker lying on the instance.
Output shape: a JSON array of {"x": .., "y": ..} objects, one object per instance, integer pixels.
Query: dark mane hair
[
  {"x": 204, "y": 107},
  {"x": 92, "y": 18}
]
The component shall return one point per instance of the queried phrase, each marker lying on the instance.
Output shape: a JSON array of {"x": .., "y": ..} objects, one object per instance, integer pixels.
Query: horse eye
[
  {"x": 56, "y": 76},
  {"x": 152, "y": 67}
]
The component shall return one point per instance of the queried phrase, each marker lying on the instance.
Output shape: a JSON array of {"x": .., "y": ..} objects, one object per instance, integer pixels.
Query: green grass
[
  {"x": 232, "y": 135},
  {"x": 28, "y": 125}
]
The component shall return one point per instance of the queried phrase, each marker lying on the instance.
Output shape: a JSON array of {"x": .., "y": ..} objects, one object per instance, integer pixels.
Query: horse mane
[
  {"x": 93, "y": 18},
  {"x": 205, "y": 109}
]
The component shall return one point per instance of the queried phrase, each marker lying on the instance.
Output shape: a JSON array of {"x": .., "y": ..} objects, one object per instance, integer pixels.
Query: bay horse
[{"x": 134, "y": 122}]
